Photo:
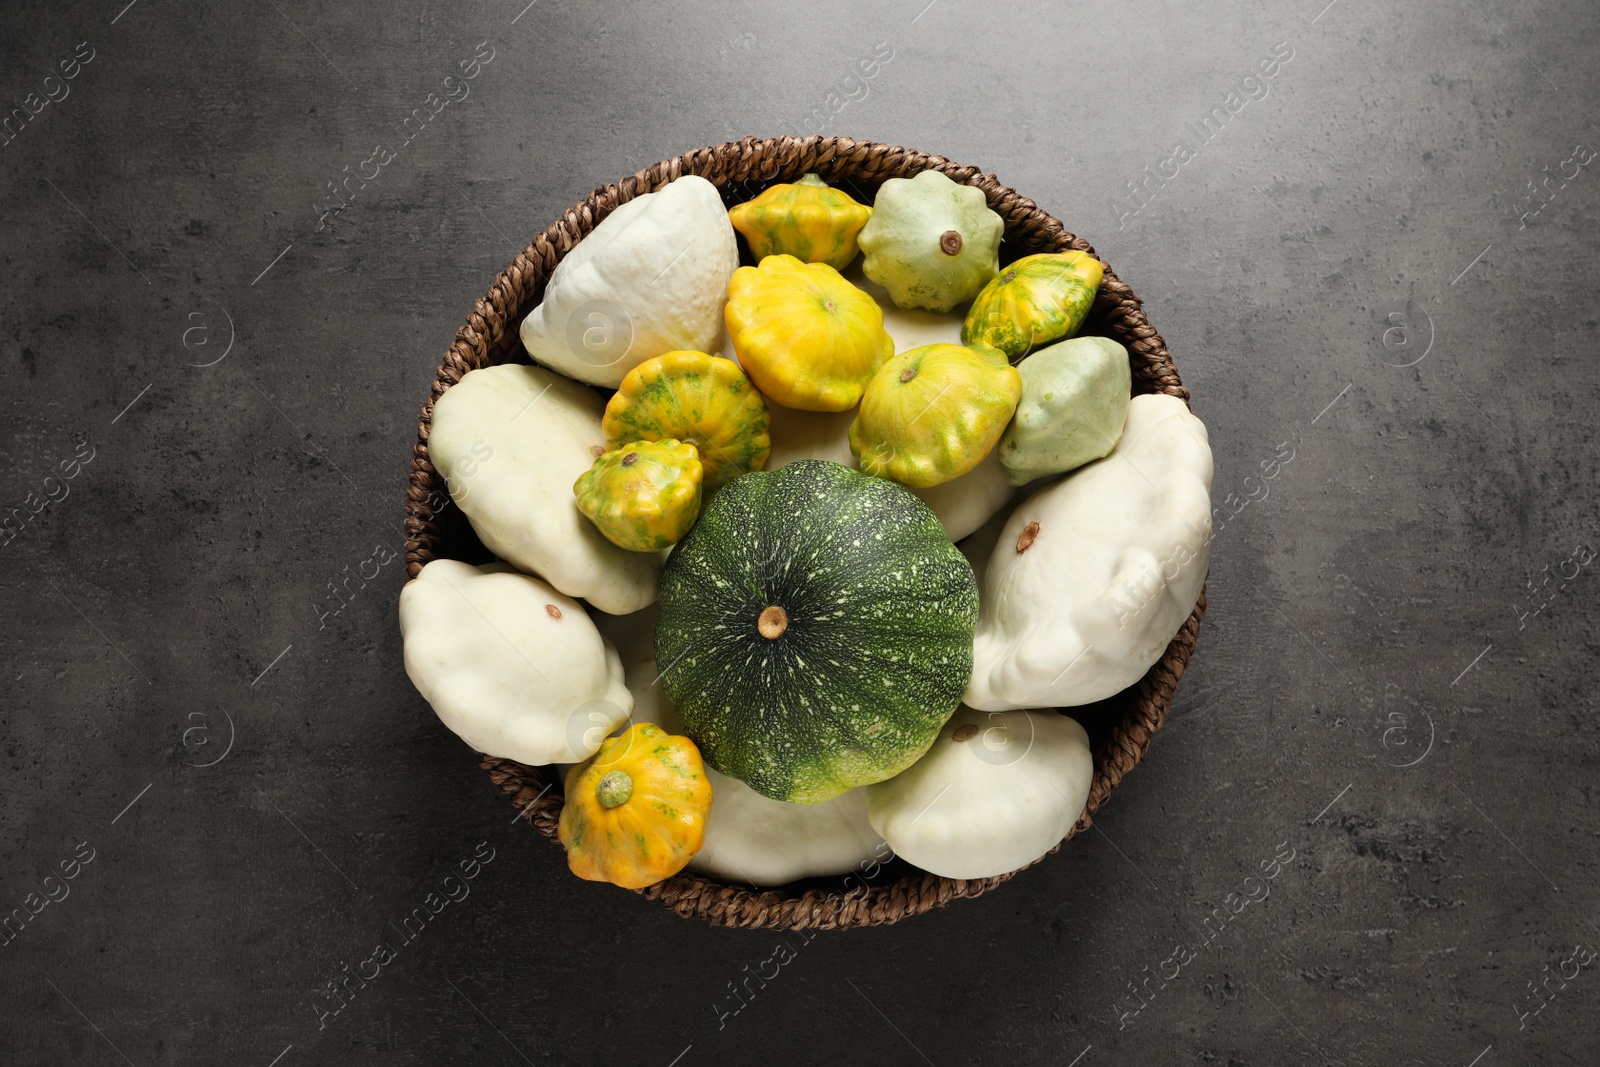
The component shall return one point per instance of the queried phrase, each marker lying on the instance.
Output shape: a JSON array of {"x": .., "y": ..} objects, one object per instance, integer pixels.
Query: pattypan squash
[
  {"x": 807, "y": 220},
  {"x": 759, "y": 841},
  {"x": 962, "y": 504},
  {"x": 636, "y": 812},
  {"x": 750, "y": 838},
  {"x": 933, "y": 413},
  {"x": 1074, "y": 402},
  {"x": 966, "y": 501},
  {"x": 651, "y": 278},
  {"x": 513, "y": 667},
  {"x": 816, "y": 624},
  {"x": 994, "y": 793},
  {"x": 1092, "y": 575},
  {"x": 644, "y": 496},
  {"x": 704, "y": 400},
  {"x": 510, "y": 440},
  {"x": 808, "y": 338},
  {"x": 798, "y": 435},
  {"x": 1036, "y": 300},
  {"x": 931, "y": 242}
]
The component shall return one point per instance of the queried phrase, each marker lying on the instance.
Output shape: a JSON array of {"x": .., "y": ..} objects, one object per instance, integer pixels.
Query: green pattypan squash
[
  {"x": 816, "y": 630},
  {"x": 931, "y": 242},
  {"x": 1074, "y": 402}
]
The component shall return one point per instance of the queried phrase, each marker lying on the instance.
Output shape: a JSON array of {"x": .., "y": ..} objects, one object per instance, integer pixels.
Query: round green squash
[
  {"x": 1036, "y": 300},
  {"x": 815, "y": 630}
]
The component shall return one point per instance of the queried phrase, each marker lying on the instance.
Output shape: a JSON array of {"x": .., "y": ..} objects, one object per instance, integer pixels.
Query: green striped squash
[{"x": 815, "y": 630}]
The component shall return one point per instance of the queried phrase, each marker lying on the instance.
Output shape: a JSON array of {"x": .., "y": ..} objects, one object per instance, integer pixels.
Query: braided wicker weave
[{"x": 1120, "y": 728}]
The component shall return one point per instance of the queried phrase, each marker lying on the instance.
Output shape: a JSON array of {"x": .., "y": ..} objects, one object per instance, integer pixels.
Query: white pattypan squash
[
  {"x": 966, "y": 502},
  {"x": 800, "y": 434},
  {"x": 764, "y": 842},
  {"x": 652, "y": 278},
  {"x": 750, "y": 838},
  {"x": 512, "y": 666},
  {"x": 908, "y": 327},
  {"x": 510, "y": 442},
  {"x": 996, "y": 791},
  {"x": 1093, "y": 575}
]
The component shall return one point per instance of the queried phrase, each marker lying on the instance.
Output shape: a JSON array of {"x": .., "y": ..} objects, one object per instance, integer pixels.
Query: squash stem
[
  {"x": 772, "y": 623},
  {"x": 614, "y": 789}
]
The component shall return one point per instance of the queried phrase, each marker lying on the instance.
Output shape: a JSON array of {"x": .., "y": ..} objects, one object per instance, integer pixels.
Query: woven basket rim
[{"x": 490, "y": 336}]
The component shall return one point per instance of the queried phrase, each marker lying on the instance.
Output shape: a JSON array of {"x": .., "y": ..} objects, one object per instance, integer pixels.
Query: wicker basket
[{"x": 1120, "y": 728}]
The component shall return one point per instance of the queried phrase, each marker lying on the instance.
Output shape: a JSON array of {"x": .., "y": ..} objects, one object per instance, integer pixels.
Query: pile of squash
[{"x": 728, "y": 501}]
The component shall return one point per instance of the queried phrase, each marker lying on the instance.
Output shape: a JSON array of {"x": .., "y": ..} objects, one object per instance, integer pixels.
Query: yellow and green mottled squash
[
  {"x": 643, "y": 496},
  {"x": 807, "y": 220},
  {"x": 636, "y": 810},
  {"x": 808, "y": 338},
  {"x": 933, "y": 413},
  {"x": 690, "y": 396},
  {"x": 1035, "y": 301}
]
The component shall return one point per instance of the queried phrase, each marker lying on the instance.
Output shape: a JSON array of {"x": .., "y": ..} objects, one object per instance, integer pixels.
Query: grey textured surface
[{"x": 1350, "y": 268}]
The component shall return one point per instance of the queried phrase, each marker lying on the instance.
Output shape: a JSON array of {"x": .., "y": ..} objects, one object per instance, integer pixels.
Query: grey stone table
[{"x": 1367, "y": 233}]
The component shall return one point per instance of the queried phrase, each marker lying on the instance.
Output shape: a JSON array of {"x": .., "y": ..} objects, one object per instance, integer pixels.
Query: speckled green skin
[{"x": 878, "y": 650}]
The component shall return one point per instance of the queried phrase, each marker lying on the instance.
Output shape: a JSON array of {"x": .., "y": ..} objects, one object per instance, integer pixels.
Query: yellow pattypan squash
[
  {"x": 643, "y": 496},
  {"x": 1037, "y": 300},
  {"x": 704, "y": 400},
  {"x": 808, "y": 338},
  {"x": 807, "y": 220},
  {"x": 933, "y": 413},
  {"x": 636, "y": 810}
]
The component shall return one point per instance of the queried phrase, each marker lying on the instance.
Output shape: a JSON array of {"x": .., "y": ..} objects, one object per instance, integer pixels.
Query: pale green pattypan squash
[
  {"x": 931, "y": 242},
  {"x": 510, "y": 442},
  {"x": 1074, "y": 402},
  {"x": 996, "y": 791},
  {"x": 651, "y": 278},
  {"x": 1092, "y": 575},
  {"x": 509, "y": 663}
]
